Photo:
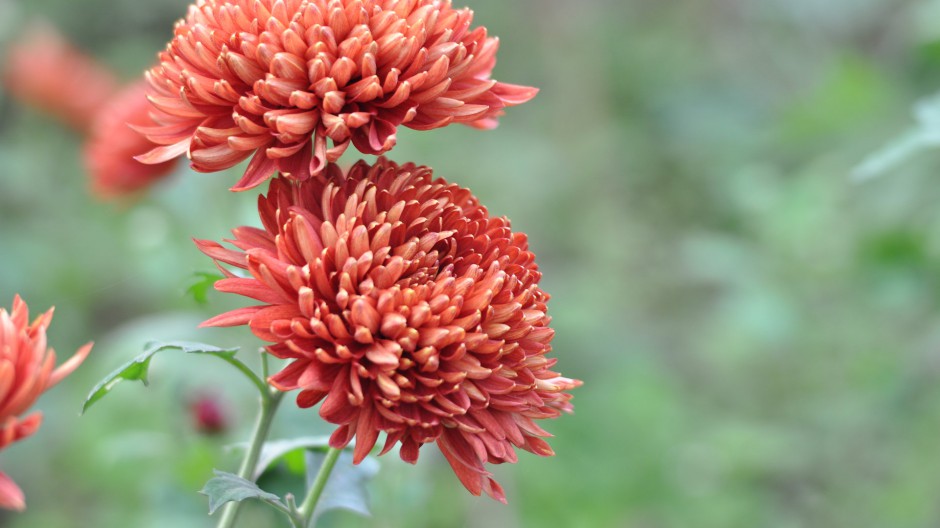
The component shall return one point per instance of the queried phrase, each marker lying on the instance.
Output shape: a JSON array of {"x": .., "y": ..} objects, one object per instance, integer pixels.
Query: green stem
[
  {"x": 269, "y": 403},
  {"x": 316, "y": 489},
  {"x": 265, "y": 369},
  {"x": 296, "y": 521},
  {"x": 250, "y": 374}
]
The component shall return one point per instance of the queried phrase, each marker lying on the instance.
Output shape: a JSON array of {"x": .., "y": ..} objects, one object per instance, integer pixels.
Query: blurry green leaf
[
  {"x": 138, "y": 368},
  {"x": 346, "y": 488},
  {"x": 295, "y": 462},
  {"x": 901, "y": 248},
  {"x": 890, "y": 156},
  {"x": 227, "y": 487},
  {"x": 204, "y": 281},
  {"x": 275, "y": 450},
  {"x": 925, "y": 135},
  {"x": 847, "y": 95}
]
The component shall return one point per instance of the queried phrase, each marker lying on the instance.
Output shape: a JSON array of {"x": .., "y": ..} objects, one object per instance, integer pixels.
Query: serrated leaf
[
  {"x": 274, "y": 450},
  {"x": 138, "y": 368},
  {"x": 346, "y": 487},
  {"x": 228, "y": 487},
  {"x": 202, "y": 283}
]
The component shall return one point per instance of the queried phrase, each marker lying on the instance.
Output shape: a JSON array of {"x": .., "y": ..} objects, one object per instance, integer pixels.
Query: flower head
[
  {"x": 278, "y": 78},
  {"x": 112, "y": 145},
  {"x": 406, "y": 309},
  {"x": 208, "y": 415},
  {"x": 26, "y": 371},
  {"x": 48, "y": 72}
]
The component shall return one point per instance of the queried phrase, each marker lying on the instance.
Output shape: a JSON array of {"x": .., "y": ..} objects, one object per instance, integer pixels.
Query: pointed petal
[
  {"x": 11, "y": 496},
  {"x": 66, "y": 368},
  {"x": 260, "y": 169},
  {"x": 165, "y": 153}
]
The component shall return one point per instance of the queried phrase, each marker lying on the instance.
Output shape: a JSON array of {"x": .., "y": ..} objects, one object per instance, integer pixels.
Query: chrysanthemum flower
[
  {"x": 112, "y": 145},
  {"x": 48, "y": 72},
  {"x": 278, "y": 78},
  {"x": 406, "y": 309},
  {"x": 26, "y": 371}
]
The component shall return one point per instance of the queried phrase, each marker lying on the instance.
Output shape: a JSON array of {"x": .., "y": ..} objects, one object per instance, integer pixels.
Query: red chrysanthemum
[
  {"x": 277, "y": 78},
  {"x": 112, "y": 145},
  {"x": 48, "y": 72},
  {"x": 26, "y": 371},
  {"x": 406, "y": 309}
]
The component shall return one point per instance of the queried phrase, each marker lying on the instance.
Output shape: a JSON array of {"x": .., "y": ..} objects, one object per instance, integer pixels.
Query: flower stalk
[
  {"x": 319, "y": 484},
  {"x": 270, "y": 400}
]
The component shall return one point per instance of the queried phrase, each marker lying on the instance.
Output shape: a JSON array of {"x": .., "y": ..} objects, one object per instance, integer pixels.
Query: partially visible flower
[
  {"x": 112, "y": 145},
  {"x": 406, "y": 309},
  {"x": 48, "y": 72},
  {"x": 207, "y": 415},
  {"x": 26, "y": 371},
  {"x": 278, "y": 78}
]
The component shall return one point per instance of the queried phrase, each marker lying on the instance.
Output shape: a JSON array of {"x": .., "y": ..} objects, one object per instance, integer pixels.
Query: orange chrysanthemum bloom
[
  {"x": 48, "y": 72},
  {"x": 406, "y": 309},
  {"x": 26, "y": 371},
  {"x": 277, "y": 78},
  {"x": 112, "y": 145}
]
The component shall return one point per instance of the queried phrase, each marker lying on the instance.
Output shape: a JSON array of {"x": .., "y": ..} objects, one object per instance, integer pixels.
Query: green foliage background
[{"x": 758, "y": 335}]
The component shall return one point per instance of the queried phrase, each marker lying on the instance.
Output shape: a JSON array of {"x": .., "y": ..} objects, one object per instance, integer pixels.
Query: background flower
[
  {"x": 207, "y": 413},
  {"x": 406, "y": 309},
  {"x": 26, "y": 371},
  {"x": 47, "y": 71},
  {"x": 112, "y": 145},
  {"x": 280, "y": 78}
]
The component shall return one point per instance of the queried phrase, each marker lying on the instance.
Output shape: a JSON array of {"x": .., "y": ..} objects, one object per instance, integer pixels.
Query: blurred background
[{"x": 758, "y": 332}]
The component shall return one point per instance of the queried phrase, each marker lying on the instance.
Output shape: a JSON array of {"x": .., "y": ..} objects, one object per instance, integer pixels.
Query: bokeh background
[{"x": 758, "y": 333}]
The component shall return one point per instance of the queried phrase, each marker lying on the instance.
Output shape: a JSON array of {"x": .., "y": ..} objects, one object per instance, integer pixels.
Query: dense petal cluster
[
  {"x": 278, "y": 78},
  {"x": 112, "y": 145},
  {"x": 27, "y": 369},
  {"x": 47, "y": 71},
  {"x": 406, "y": 309}
]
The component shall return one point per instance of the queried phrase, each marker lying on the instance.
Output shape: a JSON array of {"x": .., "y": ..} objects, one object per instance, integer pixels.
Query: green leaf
[
  {"x": 346, "y": 488},
  {"x": 276, "y": 450},
  {"x": 138, "y": 368},
  {"x": 203, "y": 282},
  {"x": 228, "y": 487}
]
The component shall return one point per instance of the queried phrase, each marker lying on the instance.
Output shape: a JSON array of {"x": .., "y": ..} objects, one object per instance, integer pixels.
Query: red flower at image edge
[
  {"x": 404, "y": 308},
  {"x": 276, "y": 79},
  {"x": 112, "y": 146},
  {"x": 26, "y": 371}
]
